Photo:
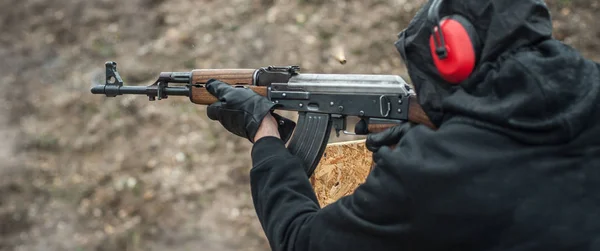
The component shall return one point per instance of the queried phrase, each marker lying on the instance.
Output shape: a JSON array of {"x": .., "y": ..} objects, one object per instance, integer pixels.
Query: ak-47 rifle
[{"x": 323, "y": 101}]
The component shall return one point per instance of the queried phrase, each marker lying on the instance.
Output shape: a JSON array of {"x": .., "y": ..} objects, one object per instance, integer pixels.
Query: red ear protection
[{"x": 454, "y": 46}]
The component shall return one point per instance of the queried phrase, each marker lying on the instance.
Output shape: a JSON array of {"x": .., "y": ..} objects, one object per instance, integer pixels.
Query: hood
[{"x": 526, "y": 84}]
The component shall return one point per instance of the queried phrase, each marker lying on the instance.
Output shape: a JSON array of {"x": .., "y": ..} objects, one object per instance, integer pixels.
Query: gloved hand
[
  {"x": 241, "y": 111},
  {"x": 388, "y": 137}
]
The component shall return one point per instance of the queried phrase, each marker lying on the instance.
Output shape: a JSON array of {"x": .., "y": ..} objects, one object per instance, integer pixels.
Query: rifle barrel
[{"x": 113, "y": 90}]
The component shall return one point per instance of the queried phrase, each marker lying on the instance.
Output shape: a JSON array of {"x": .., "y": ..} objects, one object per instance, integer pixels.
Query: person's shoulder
[
  {"x": 456, "y": 132},
  {"x": 458, "y": 146}
]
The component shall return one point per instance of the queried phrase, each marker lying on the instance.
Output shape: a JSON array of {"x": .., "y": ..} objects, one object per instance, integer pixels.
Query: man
[{"x": 513, "y": 165}]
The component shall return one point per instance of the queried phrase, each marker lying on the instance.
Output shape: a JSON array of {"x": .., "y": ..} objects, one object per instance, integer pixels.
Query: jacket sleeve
[{"x": 375, "y": 216}]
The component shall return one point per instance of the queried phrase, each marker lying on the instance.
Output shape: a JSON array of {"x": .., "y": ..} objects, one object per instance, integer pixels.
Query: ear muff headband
[{"x": 453, "y": 45}]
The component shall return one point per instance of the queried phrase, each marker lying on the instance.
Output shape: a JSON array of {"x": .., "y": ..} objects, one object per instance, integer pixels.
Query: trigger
[{"x": 338, "y": 123}]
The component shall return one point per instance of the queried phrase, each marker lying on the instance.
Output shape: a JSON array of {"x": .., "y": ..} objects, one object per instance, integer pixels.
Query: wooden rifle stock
[
  {"x": 415, "y": 115},
  {"x": 244, "y": 77}
]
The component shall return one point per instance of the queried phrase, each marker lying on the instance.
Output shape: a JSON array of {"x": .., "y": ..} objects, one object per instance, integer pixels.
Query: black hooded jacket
[{"x": 514, "y": 164}]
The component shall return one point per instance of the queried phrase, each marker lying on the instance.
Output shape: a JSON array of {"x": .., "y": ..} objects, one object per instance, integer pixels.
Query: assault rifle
[{"x": 323, "y": 101}]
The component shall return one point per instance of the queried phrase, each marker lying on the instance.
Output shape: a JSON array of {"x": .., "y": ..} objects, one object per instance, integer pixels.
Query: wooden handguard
[
  {"x": 236, "y": 77},
  {"x": 230, "y": 76},
  {"x": 202, "y": 97}
]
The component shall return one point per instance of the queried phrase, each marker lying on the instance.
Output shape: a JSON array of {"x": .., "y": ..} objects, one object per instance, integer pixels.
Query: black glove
[
  {"x": 241, "y": 110},
  {"x": 388, "y": 137}
]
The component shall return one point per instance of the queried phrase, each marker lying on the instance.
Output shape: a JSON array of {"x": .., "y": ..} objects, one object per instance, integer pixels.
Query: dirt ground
[{"x": 85, "y": 172}]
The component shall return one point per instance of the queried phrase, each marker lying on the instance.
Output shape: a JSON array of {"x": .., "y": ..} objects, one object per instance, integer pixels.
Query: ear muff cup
[{"x": 462, "y": 46}]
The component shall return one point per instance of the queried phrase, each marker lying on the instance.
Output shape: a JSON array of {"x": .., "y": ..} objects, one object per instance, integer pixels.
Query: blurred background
[{"x": 84, "y": 172}]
